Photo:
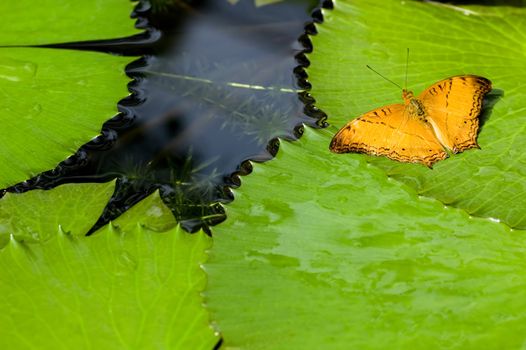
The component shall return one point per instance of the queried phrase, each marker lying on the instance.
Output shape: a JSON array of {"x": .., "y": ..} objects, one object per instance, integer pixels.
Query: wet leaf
[
  {"x": 321, "y": 251},
  {"x": 37, "y": 216},
  {"x": 52, "y": 102},
  {"x": 134, "y": 284},
  {"x": 29, "y": 22}
]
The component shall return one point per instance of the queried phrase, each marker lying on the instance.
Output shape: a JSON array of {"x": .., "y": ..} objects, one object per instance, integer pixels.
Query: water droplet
[
  {"x": 126, "y": 262},
  {"x": 16, "y": 70},
  {"x": 154, "y": 212},
  {"x": 33, "y": 112}
]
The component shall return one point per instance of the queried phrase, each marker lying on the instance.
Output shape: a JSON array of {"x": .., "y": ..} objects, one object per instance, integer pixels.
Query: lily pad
[
  {"x": 52, "y": 102},
  {"x": 29, "y": 22},
  {"x": 39, "y": 215},
  {"x": 444, "y": 40},
  {"x": 133, "y": 284},
  {"x": 333, "y": 254}
]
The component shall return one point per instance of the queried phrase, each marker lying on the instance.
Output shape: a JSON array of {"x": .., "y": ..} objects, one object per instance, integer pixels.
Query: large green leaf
[
  {"x": 30, "y": 22},
  {"x": 51, "y": 102},
  {"x": 132, "y": 285},
  {"x": 444, "y": 40},
  {"x": 321, "y": 251}
]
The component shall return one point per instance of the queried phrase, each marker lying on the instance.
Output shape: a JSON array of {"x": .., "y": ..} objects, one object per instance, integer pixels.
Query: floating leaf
[
  {"x": 39, "y": 215},
  {"x": 29, "y": 22},
  {"x": 335, "y": 255},
  {"x": 52, "y": 102}
]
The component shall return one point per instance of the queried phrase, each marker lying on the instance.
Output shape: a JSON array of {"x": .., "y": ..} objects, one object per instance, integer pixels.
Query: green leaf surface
[
  {"x": 51, "y": 102},
  {"x": 29, "y": 22},
  {"x": 39, "y": 215},
  {"x": 321, "y": 251},
  {"x": 444, "y": 40},
  {"x": 134, "y": 284}
]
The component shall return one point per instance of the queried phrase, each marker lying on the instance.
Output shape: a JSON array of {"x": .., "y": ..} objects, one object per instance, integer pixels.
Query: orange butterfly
[{"x": 443, "y": 118}]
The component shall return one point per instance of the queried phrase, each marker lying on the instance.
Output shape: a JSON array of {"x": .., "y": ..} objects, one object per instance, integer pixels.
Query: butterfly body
[
  {"x": 415, "y": 108},
  {"x": 442, "y": 119}
]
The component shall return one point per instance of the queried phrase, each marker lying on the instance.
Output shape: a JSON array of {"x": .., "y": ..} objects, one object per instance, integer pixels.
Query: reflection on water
[{"x": 209, "y": 94}]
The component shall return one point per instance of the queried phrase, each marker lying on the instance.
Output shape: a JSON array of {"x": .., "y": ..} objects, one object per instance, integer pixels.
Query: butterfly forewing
[
  {"x": 390, "y": 131},
  {"x": 453, "y": 106}
]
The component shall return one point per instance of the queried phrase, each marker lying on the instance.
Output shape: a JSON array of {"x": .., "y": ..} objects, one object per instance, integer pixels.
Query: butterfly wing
[
  {"x": 453, "y": 106},
  {"x": 389, "y": 131}
]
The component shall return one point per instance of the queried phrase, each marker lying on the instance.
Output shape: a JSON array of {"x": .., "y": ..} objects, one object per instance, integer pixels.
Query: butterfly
[{"x": 425, "y": 129}]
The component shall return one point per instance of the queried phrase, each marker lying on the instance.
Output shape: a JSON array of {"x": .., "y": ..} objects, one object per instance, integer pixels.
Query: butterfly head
[{"x": 407, "y": 96}]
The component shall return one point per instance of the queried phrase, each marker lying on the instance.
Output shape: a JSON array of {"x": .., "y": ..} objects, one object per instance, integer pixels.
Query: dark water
[{"x": 216, "y": 83}]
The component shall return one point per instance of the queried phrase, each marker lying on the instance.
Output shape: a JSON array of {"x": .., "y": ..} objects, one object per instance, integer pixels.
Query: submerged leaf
[{"x": 260, "y": 3}]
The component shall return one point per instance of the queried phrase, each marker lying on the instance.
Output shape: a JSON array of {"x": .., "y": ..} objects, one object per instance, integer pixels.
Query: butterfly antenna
[
  {"x": 406, "y": 68},
  {"x": 389, "y": 80}
]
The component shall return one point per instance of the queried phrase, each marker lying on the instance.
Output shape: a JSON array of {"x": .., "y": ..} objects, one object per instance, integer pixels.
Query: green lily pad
[
  {"x": 38, "y": 215},
  {"x": 321, "y": 251},
  {"x": 29, "y": 22},
  {"x": 52, "y": 102},
  {"x": 444, "y": 40},
  {"x": 132, "y": 285}
]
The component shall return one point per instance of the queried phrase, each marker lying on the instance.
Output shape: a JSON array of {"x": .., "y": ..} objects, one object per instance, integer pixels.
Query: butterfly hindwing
[
  {"x": 453, "y": 106},
  {"x": 389, "y": 131}
]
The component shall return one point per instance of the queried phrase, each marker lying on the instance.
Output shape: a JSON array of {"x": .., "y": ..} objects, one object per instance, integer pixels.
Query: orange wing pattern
[
  {"x": 444, "y": 116},
  {"x": 452, "y": 106},
  {"x": 390, "y": 131}
]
